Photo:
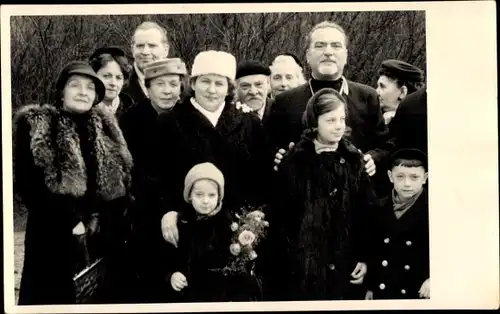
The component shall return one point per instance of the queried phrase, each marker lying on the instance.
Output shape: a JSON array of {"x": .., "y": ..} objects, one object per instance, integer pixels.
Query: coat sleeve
[
  {"x": 362, "y": 229},
  {"x": 380, "y": 133}
]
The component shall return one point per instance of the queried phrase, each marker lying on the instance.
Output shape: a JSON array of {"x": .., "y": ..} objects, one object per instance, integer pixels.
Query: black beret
[
  {"x": 409, "y": 154},
  {"x": 402, "y": 70},
  {"x": 114, "y": 51},
  {"x": 251, "y": 67}
]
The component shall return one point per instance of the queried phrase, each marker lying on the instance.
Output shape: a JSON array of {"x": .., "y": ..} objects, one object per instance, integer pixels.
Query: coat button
[
  {"x": 407, "y": 267},
  {"x": 385, "y": 263},
  {"x": 342, "y": 160},
  {"x": 408, "y": 243},
  {"x": 403, "y": 291},
  {"x": 331, "y": 266},
  {"x": 382, "y": 286},
  {"x": 386, "y": 240}
]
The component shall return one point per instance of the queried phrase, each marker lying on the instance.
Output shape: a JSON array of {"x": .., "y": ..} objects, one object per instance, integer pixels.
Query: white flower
[
  {"x": 243, "y": 107},
  {"x": 246, "y": 237},
  {"x": 234, "y": 226},
  {"x": 252, "y": 255},
  {"x": 235, "y": 249},
  {"x": 257, "y": 213},
  {"x": 265, "y": 223},
  {"x": 257, "y": 218}
]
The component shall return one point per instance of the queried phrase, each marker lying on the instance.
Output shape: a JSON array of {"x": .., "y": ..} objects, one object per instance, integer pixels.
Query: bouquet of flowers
[{"x": 248, "y": 231}]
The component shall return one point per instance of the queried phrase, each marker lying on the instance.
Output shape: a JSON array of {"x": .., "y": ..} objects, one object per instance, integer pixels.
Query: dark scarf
[
  {"x": 400, "y": 206},
  {"x": 66, "y": 145},
  {"x": 317, "y": 84}
]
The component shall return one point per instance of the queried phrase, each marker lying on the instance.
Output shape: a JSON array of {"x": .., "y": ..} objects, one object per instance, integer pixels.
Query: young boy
[
  {"x": 203, "y": 250},
  {"x": 399, "y": 263}
]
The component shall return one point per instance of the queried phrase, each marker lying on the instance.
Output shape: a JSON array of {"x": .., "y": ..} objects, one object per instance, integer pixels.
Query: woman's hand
[
  {"x": 178, "y": 281},
  {"x": 169, "y": 228}
]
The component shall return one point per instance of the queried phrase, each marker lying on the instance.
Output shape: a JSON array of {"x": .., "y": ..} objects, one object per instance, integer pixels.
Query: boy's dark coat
[{"x": 404, "y": 244}]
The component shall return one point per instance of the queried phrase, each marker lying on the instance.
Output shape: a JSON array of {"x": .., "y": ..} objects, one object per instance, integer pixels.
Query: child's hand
[
  {"x": 369, "y": 295},
  {"x": 425, "y": 290},
  {"x": 79, "y": 229},
  {"x": 359, "y": 273},
  {"x": 178, "y": 281}
]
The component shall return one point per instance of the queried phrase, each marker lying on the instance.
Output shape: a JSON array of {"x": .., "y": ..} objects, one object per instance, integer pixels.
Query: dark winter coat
[
  {"x": 126, "y": 103},
  {"x": 399, "y": 259},
  {"x": 318, "y": 219},
  {"x": 237, "y": 146},
  {"x": 133, "y": 89},
  {"x": 364, "y": 117},
  {"x": 408, "y": 128},
  {"x": 67, "y": 167},
  {"x": 139, "y": 127},
  {"x": 202, "y": 253}
]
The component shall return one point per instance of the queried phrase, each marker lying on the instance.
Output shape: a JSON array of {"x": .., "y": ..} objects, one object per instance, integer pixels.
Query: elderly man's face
[
  {"x": 148, "y": 46},
  {"x": 327, "y": 53},
  {"x": 253, "y": 89}
]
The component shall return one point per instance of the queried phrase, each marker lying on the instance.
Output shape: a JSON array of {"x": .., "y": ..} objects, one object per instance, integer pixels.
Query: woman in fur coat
[
  {"x": 72, "y": 172},
  {"x": 317, "y": 215}
]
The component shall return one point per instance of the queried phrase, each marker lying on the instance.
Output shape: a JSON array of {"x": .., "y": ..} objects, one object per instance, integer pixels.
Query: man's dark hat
[
  {"x": 114, "y": 51},
  {"x": 402, "y": 70},
  {"x": 409, "y": 154},
  {"x": 251, "y": 67},
  {"x": 81, "y": 68}
]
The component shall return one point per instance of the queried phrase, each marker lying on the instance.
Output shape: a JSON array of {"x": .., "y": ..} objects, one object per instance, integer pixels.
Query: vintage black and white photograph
[{"x": 220, "y": 157}]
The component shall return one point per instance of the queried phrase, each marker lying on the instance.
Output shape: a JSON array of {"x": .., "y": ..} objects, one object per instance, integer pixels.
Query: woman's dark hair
[
  {"x": 189, "y": 92},
  {"x": 411, "y": 85},
  {"x": 323, "y": 101},
  {"x": 101, "y": 60}
]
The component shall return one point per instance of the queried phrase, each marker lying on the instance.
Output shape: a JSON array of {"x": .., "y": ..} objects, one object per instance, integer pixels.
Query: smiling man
[
  {"x": 149, "y": 43},
  {"x": 326, "y": 54}
]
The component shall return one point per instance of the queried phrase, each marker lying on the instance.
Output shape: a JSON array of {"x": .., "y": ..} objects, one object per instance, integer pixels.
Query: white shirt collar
[
  {"x": 344, "y": 89},
  {"x": 213, "y": 117},
  {"x": 140, "y": 76}
]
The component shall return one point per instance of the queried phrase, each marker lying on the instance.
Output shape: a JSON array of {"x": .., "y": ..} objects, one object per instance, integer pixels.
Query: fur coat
[
  {"x": 318, "y": 216},
  {"x": 67, "y": 168}
]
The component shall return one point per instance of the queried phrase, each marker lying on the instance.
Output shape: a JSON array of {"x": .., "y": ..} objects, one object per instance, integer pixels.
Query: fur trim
[{"x": 55, "y": 146}]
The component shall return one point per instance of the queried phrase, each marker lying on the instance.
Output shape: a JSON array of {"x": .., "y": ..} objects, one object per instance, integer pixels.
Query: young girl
[
  {"x": 204, "y": 242},
  {"x": 318, "y": 213}
]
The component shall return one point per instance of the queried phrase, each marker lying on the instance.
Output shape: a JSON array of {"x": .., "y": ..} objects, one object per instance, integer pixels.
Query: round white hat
[{"x": 214, "y": 62}]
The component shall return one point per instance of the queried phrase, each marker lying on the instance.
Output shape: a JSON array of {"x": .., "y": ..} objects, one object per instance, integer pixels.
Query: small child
[
  {"x": 204, "y": 241},
  {"x": 399, "y": 263}
]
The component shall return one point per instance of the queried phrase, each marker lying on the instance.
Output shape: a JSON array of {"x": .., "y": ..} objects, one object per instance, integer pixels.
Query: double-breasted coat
[{"x": 399, "y": 254}]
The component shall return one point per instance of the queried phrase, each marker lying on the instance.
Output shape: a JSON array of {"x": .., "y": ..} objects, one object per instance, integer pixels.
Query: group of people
[{"x": 147, "y": 164}]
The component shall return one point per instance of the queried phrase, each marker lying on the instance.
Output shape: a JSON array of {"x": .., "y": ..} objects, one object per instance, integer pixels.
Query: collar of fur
[{"x": 55, "y": 146}]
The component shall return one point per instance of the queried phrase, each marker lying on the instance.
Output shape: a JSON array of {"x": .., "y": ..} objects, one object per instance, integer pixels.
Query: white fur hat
[{"x": 214, "y": 62}]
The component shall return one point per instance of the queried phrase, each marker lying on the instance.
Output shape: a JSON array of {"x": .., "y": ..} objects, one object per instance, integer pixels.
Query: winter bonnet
[
  {"x": 214, "y": 62},
  {"x": 203, "y": 171}
]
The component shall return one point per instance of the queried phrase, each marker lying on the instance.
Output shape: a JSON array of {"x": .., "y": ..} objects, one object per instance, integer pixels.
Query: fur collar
[{"x": 55, "y": 146}]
